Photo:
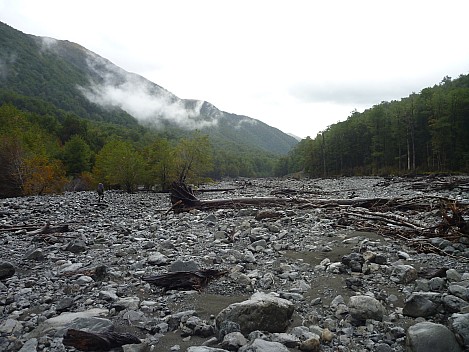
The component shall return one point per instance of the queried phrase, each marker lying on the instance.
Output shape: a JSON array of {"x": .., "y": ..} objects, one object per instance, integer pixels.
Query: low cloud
[
  {"x": 3, "y": 69},
  {"x": 6, "y": 60},
  {"x": 48, "y": 43},
  {"x": 147, "y": 102},
  {"x": 245, "y": 121}
]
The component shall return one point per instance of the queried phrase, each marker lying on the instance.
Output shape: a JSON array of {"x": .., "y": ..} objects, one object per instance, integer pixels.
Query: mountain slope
[{"x": 81, "y": 82}]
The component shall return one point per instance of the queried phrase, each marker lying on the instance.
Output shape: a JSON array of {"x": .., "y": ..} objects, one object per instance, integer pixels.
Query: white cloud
[
  {"x": 48, "y": 43},
  {"x": 6, "y": 59},
  {"x": 139, "y": 99},
  {"x": 3, "y": 69},
  {"x": 138, "y": 102},
  {"x": 245, "y": 121}
]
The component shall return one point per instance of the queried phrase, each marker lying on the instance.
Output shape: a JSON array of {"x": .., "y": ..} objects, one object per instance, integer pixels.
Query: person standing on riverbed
[{"x": 100, "y": 192}]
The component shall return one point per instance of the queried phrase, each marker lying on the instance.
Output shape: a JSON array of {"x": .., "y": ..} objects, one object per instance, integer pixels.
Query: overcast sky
[{"x": 299, "y": 66}]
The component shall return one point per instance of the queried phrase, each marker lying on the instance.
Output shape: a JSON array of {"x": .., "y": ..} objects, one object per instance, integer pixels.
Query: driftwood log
[
  {"x": 102, "y": 341},
  {"x": 40, "y": 233},
  {"x": 46, "y": 228},
  {"x": 207, "y": 190},
  {"x": 183, "y": 199},
  {"x": 185, "y": 280}
]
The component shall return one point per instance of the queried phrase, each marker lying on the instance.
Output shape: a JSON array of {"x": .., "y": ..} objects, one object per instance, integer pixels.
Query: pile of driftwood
[
  {"x": 437, "y": 183},
  {"x": 451, "y": 225},
  {"x": 386, "y": 216}
]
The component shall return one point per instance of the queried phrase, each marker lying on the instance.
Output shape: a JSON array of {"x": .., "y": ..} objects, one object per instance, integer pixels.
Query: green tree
[
  {"x": 119, "y": 163},
  {"x": 193, "y": 158},
  {"x": 76, "y": 156},
  {"x": 424, "y": 132},
  {"x": 71, "y": 126},
  {"x": 160, "y": 163}
]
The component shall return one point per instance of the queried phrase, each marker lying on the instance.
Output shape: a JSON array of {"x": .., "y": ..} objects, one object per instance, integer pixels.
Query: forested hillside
[
  {"x": 81, "y": 82},
  {"x": 50, "y": 150},
  {"x": 59, "y": 130},
  {"x": 424, "y": 132}
]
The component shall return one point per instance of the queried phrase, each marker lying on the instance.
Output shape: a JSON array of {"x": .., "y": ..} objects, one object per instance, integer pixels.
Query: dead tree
[
  {"x": 185, "y": 280},
  {"x": 47, "y": 228},
  {"x": 183, "y": 199},
  {"x": 101, "y": 341}
]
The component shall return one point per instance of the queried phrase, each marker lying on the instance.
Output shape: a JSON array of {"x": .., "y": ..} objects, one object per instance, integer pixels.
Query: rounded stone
[{"x": 427, "y": 336}]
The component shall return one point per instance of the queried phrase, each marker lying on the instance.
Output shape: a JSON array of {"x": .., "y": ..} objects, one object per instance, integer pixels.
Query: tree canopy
[
  {"x": 424, "y": 132},
  {"x": 44, "y": 150}
]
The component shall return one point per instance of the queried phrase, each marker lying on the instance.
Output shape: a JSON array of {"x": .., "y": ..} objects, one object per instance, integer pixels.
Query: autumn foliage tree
[
  {"x": 11, "y": 159},
  {"x": 27, "y": 156},
  {"x": 42, "y": 176}
]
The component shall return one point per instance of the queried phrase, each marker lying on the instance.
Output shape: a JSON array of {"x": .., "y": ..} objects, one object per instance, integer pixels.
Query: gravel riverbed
[{"x": 321, "y": 259}]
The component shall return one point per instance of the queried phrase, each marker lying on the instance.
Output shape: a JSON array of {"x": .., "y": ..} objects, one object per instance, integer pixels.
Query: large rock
[
  {"x": 57, "y": 325},
  {"x": 421, "y": 304},
  {"x": 29, "y": 346},
  {"x": 427, "y": 336},
  {"x": 233, "y": 341},
  {"x": 180, "y": 265},
  {"x": 453, "y": 304},
  {"x": 127, "y": 303},
  {"x": 404, "y": 274},
  {"x": 259, "y": 345},
  {"x": 262, "y": 311},
  {"x": 10, "y": 326},
  {"x": 34, "y": 254},
  {"x": 459, "y": 291},
  {"x": 76, "y": 246},
  {"x": 365, "y": 307},
  {"x": 6, "y": 270},
  {"x": 459, "y": 323},
  {"x": 158, "y": 259}
]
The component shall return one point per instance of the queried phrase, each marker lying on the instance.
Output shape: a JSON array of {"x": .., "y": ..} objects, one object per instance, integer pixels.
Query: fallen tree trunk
[
  {"x": 36, "y": 229},
  {"x": 183, "y": 199},
  {"x": 184, "y": 280},
  {"x": 7, "y": 228},
  {"x": 47, "y": 229},
  {"x": 388, "y": 218},
  {"x": 207, "y": 190},
  {"x": 102, "y": 341}
]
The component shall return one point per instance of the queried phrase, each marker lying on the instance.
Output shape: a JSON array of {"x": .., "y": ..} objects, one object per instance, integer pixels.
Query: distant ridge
[{"x": 80, "y": 81}]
